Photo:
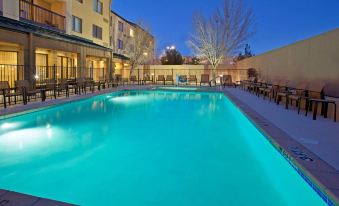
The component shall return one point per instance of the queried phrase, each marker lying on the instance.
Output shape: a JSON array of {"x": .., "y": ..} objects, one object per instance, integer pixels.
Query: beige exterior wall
[
  {"x": 124, "y": 35},
  {"x": 315, "y": 59},
  {"x": 89, "y": 17},
  {"x": 11, "y": 9}
]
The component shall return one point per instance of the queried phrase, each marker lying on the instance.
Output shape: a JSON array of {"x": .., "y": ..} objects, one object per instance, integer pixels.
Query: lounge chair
[
  {"x": 8, "y": 93},
  {"x": 226, "y": 80},
  {"x": 100, "y": 84},
  {"x": 205, "y": 79},
  {"x": 193, "y": 79},
  {"x": 29, "y": 91},
  {"x": 133, "y": 79},
  {"x": 147, "y": 78},
  {"x": 89, "y": 83},
  {"x": 161, "y": 78},
  {"x": 62, "y": 87},
  {"x": 293, "y": 94},
  {"x": 326, "y": 97},
  {"x": 271, "y": 90},
  {"x": 118, "y": 79},
  {"x": 169, "y": 78}
]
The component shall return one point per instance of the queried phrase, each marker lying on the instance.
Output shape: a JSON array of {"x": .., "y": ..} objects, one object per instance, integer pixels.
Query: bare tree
[
  {"x": 141, "y": 47},
  {"x": 220, "y": 36}
]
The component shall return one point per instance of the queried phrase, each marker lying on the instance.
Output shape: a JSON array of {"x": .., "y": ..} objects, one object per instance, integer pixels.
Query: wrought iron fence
[
  {"x": 45, "y": 73},
  {"x": 139, "y": 74}
]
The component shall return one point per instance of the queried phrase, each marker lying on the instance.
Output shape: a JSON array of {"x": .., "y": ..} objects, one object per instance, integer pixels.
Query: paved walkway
[{"x": 320, "y": 136}]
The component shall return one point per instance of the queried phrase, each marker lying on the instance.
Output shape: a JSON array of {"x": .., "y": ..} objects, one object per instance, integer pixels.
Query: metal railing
[
  {"x": 96, "y": 73},
  {"x": 40, "y": 15},
  {"x": 140, "y": 74},
  {"x": 11, "y": 73},
  {"x": 45, "y": 73}
]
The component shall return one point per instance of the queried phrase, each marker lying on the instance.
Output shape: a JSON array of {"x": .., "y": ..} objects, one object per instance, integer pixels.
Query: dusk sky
[{"x": 277, "y": 23}]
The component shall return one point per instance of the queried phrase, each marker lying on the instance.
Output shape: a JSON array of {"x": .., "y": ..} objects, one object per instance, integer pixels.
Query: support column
[{"x": 29, "y": 57}]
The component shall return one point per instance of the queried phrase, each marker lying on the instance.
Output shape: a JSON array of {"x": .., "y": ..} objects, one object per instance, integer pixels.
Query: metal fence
[
  {"x": 46, "y": 73},
  {"x": 237, "y": 74}
]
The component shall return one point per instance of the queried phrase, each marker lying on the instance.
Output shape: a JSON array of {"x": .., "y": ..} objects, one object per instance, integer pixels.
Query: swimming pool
[{"x": 147, "y": 148}]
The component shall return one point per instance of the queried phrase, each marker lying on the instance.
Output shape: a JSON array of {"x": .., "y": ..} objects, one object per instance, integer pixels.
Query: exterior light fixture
[{"x": 36, "y": 76}]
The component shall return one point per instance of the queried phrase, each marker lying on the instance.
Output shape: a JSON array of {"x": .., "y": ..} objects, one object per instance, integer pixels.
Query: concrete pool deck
[{"x": 311, "y": 146}]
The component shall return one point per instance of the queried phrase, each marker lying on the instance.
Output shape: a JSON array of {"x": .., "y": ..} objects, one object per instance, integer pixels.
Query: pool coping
[{"x": 322, "y": 177}]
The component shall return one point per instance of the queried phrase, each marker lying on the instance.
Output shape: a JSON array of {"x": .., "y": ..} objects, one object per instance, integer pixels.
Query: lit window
[{"x": 131, "y": 32}]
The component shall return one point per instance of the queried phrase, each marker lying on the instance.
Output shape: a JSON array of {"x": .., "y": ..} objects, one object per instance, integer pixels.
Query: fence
[
  {"x": 140, "y": 73},
  {"x": 46, "y": 73}
]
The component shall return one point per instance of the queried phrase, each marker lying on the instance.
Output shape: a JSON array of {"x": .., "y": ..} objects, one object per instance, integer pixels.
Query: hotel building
[{"x": 53, "y": 39}]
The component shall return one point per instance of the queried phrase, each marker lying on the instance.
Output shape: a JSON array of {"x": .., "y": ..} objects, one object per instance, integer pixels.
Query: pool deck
[{"x": 311, "y": 146}]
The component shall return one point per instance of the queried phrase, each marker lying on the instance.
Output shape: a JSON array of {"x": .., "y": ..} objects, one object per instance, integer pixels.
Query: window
[
  {"x": 131, "y": 32},
  {"x": 97, "y": 32},
  {"x": 120, "y": 44},
  {"x": 80, "y": 1},
  {"x": 97, "y": 6},
  {"x": 76, "y": 24},
  {"x": 121, "y": 26}
]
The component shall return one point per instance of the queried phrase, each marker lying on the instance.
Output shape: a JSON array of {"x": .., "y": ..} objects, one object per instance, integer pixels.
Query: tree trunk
[{"x": 214, "y": 74}]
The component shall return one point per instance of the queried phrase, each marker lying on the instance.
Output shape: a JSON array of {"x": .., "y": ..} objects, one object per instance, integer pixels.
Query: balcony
[{"x": 40, "y": 15}]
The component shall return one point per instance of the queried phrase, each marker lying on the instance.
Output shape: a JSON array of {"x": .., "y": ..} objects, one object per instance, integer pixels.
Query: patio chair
[
  {"x": 282, "y": 91},
  {"x": 328, "y": 95},
  {"x": 205, "y": 79},
  {"x": 79, "y": 86},
  {"x": 161, "y": 78},
  {"x": 246, "y": 84},
  {"x": 193, "y": 78},
  {"x": 226, "y": 80},
  {"x": 29, "y": 91},
  {"x": 62, "y": 87},
  {"x": 169, "y": 78},
  {"x": 133, "y": 79},
  {"x": 50, "y": 86},
  {"x": 293, "y": 94},
  {"x": 89, "y": 83},
  {"x": 118, "y": 79},
  {"x": 147, "y": 78},
  {"x": 271, "y": 90},
  {"x": 8, "y": 93}
]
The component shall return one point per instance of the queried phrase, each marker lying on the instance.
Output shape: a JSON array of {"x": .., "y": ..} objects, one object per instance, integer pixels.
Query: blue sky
[{"x": 277, "y": 22}]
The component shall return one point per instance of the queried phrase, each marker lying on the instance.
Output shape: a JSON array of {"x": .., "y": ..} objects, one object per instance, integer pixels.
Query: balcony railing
[{"x": 42, "y": 16}]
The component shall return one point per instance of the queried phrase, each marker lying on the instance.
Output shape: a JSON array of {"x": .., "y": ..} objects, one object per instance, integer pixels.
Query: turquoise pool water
[{"x": 147, "y": 148}]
